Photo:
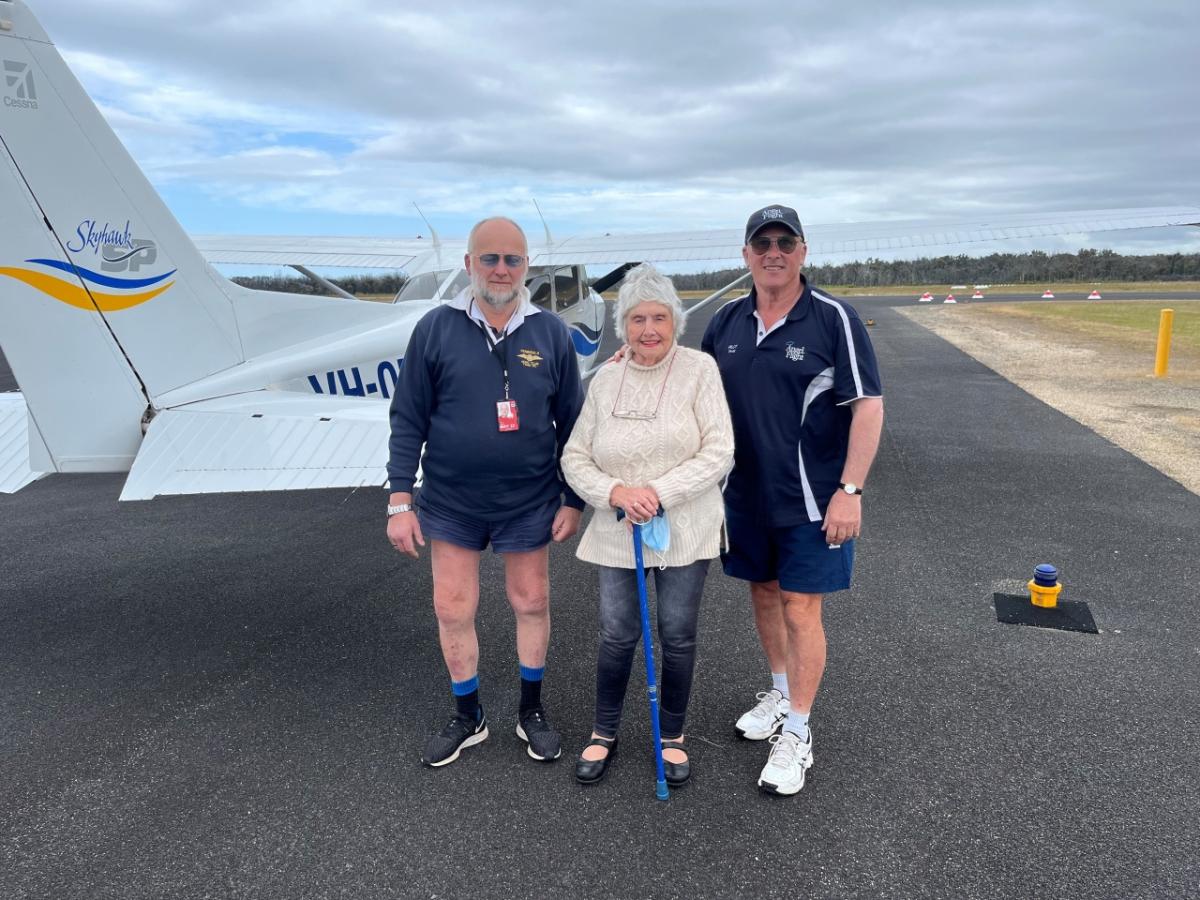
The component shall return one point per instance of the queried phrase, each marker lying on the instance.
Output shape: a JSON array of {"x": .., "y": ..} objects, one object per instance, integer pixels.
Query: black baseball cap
[{"x": 774, "y": 215}]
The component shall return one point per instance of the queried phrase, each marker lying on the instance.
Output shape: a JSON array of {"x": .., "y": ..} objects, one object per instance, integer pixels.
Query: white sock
[
  {"x": 797, "y": 723},
  {"x": 779, "y": 683}
]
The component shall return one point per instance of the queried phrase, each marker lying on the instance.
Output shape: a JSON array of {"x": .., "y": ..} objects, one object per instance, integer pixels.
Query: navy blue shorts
[
  {"x": 797, "y": 555},
  {"x": 526, "y": 531}
]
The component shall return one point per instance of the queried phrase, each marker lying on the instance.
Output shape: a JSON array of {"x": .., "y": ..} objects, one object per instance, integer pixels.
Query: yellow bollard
[
  {"x": 1165, "y": 318},
  {"x": 1044, "y": 588},
  {"x": 1045, "y": 597}
]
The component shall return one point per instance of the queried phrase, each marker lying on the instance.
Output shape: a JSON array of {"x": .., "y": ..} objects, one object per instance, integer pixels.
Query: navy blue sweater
[{"x": 446, "y": 399}]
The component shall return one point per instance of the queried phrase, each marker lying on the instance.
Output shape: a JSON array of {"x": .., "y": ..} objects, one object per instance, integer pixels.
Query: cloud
[{"x": 648, "y": 115}]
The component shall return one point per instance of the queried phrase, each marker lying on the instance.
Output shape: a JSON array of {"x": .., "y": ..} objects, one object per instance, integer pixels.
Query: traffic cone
[
  {"x": 1094, "y": 295},
  {"x": 949, "y": 299},
  {"x": 978, "y": 295},
  {"x": 925, "y": 298},
  {"x": 1049, "y": 295}
]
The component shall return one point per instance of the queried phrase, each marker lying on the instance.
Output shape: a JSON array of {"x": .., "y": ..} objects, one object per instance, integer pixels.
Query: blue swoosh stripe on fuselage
[
  {"x": 97, "y": 278},
  {"x": 584, "y": 345}
]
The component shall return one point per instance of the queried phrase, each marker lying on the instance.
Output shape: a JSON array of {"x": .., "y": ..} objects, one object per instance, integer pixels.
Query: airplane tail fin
[{"x": 105, "y": 303}]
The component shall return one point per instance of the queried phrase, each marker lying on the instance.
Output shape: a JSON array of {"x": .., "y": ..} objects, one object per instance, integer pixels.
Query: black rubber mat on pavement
[{"x": 1068, "y": 615}]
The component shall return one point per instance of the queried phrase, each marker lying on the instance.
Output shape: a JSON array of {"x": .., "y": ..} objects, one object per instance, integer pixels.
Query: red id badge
[{"x": 506, "y": 415}]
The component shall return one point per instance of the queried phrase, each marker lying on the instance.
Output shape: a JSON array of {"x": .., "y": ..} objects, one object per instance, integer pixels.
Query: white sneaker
[
  {"x": 789, "y": 760},
  {"x": 765, "y": 718}
]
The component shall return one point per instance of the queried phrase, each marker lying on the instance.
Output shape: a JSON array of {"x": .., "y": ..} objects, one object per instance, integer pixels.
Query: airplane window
[
  {"x": 539, "y": 291},
  {"x": 566, "y": 286}
]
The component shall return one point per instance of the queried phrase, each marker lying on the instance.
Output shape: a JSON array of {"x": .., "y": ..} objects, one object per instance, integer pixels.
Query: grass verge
[{"x": 1131, "y": 323}]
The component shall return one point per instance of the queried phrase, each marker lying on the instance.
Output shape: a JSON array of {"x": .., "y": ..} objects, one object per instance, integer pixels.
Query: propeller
[{"x": 604, "y": 282}]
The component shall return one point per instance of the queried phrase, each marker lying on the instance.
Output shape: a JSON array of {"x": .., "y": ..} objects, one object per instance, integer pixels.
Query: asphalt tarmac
[{"x": 226, "y": 696}]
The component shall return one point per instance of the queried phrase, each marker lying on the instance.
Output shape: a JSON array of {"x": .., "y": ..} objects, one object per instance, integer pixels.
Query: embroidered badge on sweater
[{"x": 530, "y": 358}]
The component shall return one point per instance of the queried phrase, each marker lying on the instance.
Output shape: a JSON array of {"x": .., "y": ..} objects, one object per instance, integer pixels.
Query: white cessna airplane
[{"x": 134, "y": 354}]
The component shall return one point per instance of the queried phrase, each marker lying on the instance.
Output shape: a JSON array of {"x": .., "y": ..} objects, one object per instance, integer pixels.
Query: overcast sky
[{"x": 334, "y": 117}]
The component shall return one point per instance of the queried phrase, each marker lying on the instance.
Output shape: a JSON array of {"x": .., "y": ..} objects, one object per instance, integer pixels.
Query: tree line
[
  {"x": 1034, "y": 267},
  {"x": 381, "y": 283}
]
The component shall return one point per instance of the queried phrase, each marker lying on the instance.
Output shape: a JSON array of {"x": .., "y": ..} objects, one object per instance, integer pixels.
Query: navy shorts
[
  {"x": 798, "y": 556},
  {"x": 525, "y": 531}
]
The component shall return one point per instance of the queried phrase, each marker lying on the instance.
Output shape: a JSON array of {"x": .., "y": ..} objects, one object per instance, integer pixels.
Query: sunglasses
[
  {"x": 491, "y": 260},
  {"x": 786, "y": 244}
]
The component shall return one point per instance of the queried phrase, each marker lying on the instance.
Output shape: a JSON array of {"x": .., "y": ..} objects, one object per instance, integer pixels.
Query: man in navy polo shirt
[
  {"x": 490, "y": 386},
  {"x": 803, "y": 388}
]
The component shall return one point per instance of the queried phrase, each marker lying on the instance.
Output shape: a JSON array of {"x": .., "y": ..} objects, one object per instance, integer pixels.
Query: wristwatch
[
  {"x": 849, "y": 488},
  {"x": 399, "y": 508}
]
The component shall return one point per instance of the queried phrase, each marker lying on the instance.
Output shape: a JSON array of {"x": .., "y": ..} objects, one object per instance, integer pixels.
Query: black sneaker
[
  {"x": 443, "y": 748},
  {"x": 534, "y": 730}
]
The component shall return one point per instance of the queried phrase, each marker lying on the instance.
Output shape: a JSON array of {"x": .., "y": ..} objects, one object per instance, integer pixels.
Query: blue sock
[
  {"x": 466, "y": 698},
  {"x": 797, "y": 723},
  {"x": 531, "y": 688}
]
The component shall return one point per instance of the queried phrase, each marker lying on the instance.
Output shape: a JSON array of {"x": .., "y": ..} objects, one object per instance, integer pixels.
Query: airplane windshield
[
  {"x": 461, "y": 280},
  {"x": 565, "y": 289},
  {"x": 425, "y": 286},
  {"x": 421, "y": 287}
]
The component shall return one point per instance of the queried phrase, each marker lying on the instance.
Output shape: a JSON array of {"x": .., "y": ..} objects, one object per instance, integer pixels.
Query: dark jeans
[{"x": 678, "y": 591}]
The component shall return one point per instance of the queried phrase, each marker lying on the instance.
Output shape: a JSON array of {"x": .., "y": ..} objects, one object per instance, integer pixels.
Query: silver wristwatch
[
  {"x": 850, "y": 488},
  {"x": 399, "y": 508}
]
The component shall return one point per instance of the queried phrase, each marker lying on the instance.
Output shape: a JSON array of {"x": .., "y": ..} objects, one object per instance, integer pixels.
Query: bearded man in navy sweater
[{"x": 490, "y": 386}]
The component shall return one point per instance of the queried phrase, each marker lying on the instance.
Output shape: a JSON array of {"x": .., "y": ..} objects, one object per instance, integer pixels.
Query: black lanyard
[{"x": 499, "y": 348}]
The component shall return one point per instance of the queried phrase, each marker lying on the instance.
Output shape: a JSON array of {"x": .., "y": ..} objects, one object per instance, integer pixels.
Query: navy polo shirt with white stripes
[{"x": 789, "y": 391}]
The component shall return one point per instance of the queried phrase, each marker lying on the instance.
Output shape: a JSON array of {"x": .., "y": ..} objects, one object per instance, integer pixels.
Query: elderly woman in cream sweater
[{"x": 654, "y": 435}]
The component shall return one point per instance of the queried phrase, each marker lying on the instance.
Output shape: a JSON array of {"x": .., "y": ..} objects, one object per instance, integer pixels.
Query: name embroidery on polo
[
  {"x": 530, "y": 358},
  {"x": 792, "y": 352}
]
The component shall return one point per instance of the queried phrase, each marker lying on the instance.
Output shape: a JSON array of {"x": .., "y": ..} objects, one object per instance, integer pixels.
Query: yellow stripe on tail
[{"x": 75, "y": 295}]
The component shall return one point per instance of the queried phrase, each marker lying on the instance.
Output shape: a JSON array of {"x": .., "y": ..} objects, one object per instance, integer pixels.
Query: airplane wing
[
  {"x": 337, "y": 252},
  {"x": 858, "y": 237},
  {"x": 262, "y": 441},
  {"x": 853, "y": 238},
  {"x": 16, "y": 471}
]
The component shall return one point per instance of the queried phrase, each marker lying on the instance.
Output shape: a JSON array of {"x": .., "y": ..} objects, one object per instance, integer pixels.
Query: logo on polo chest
[
  {"x": 792, "y": 352},
  {"x": 732, "y": 348},
  {"x": 530, "y": 358}
]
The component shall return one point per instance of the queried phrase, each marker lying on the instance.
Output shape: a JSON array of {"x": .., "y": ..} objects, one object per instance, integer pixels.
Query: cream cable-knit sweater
[{"x": 683, "y": 453}]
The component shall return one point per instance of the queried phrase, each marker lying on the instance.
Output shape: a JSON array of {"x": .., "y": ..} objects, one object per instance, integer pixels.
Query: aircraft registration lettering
[{"x": 349, "y": 382}]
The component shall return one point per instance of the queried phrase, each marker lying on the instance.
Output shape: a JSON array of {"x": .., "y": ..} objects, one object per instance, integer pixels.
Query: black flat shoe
[
  {"x": 589, "y": 771},
  {"x": 677, "y": 774}
]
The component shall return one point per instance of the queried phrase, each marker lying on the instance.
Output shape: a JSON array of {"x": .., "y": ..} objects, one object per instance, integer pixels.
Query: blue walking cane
[{"x": 648, "y": 648}]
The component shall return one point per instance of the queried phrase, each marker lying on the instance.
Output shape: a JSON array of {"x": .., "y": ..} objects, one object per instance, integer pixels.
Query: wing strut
[
  {"x": 323, "y": 282},
  {"x": 741, "y": 279}
]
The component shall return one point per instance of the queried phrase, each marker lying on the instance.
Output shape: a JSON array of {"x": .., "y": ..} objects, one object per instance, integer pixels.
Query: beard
[{"x": 494, "y": 299}]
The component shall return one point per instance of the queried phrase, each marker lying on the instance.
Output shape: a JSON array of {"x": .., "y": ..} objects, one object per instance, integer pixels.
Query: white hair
[{"x": 645, "y": 284}]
